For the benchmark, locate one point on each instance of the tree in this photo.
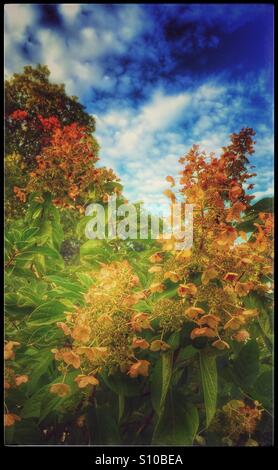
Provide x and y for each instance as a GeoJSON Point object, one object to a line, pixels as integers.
{"type": "Point", "coordinates": [31, 97]}
{"type": "Point", "coordinates": [40, 117]}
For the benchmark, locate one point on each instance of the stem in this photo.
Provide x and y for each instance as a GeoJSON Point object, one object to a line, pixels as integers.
{"type": "Point", "coordinates": [13, 256]}
{"type": "Point", "coordinates": [145, 423]}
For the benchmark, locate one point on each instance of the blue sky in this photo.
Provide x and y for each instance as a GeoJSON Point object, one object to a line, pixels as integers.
{"type": "Point", "coordinates": [158, 78]}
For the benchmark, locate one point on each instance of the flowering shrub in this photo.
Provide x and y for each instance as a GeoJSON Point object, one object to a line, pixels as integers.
{"type": "Point", "coordinates": [66, 167]}
{"type": "Point", "coordinates": [228, 265]}
{"type": "Point", "coordinates": [197, 308]}
{"type": "Point", "coordinates": [104, 330]}
{"type": "Point", "coordinates": [136, 344]}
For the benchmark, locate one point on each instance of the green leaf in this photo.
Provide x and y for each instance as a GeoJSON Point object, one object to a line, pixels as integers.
{"type": "Point", "coordinates": [47, 313]}
{"type": "Point", "coordinates": [27, 433]}
{"type": "Point", "coordinates": [36, 212]}
{"type": "Point", "coordinates": [45, 233]}
{"type": "Point", "coordinates": [41, 363]}
{"type": "Point", "coordinates": [102, 426]}
{"type": "Point", "coordinates": [168, 294]}
{"type": "Point", "coordinates": [247, 223]}
{"type": "Point", "coordinates": [65, 284]}
{"type": "Point", "coordinates": [32, 406]}
{"type": "Point", "coordinates": [264, 205]}
{"type": "Point", "coordinates": [43, 402]}
{"type": "Point", "coordinates": [80, 228]}
{"type": "Point", "coordinates": [85, 280]}
{"type": "Point", "coordinates": [209, 383]}
{"type": "Point", "coordinates": [160, 381]}
{"type": "Point", "coordinates": [265, 317]}
{"type": "Point", "coordinates": [57, 235]}
{"type": "Point", "coordinates": [186, 353]}
{"type": "Point", "coordinates": [121, 406]}
{"type": "Point", "coordinates": [112, 185]}
{"type": "Point", "coordinates": [26, 298]}
{"type": "Point", "coordinates": [246, 365]}
{"type": "Point", "coordinates": [53, 402]}
{"type": "Point", "coordinates": [91, 247]}
{"type": "Point", "coordinates": [9, 434]}
{"type": "Point", "coordinates": [178, 424]}
{"type": "Point", "coordinates": [263, 389]}
{"type": "Point", "coordinates": [121, 384]}
{"type": "Point", "coordinates": [174, 340]}
{"type": "Point", "coordinates": [39, 261]}
{"type": "Point", "coordinates": [29, 233]}
{"type": "Point", "coordinates": [44, 250]}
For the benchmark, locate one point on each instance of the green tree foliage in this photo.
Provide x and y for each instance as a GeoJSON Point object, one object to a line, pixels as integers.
{"type": "Point", "coordinates": [33, 93]}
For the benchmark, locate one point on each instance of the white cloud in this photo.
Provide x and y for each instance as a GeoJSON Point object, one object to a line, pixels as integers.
{"type": "Point", "coordinates": [75, 57]}
{"type": "Point", "coordinates": [138, 130]}
{"type": "Point", "coordinates": [70, 11]}
{"type": "Point", "coordinates": [17, 18]}
{"type": "Point", "coordinates": [144, 145]}
{"type": "Point", "coordinates": [268, 192]}
{"type": "Point", "coordinates": [161, 112]}
{"type": "Point", "coordinates": [148, 141]}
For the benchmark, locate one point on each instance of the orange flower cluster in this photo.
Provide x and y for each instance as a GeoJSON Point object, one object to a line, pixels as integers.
{"type": "Point", "coordinates": [19, 115]}
{"type": "Point", "coordinates": [223, 266]}
{"type": "Point", "coordinates": [103, 333]}
{"type": "Point", "coordinates": [20, 194]}
{"type": "Point", "coordinates": [65, 166]}
{"type": "Point", "coordinates": [10, 419]}
{"type": "Point", "coordinates": [11, 380]}
{"type": "Point", "coordinates": [9, 349]}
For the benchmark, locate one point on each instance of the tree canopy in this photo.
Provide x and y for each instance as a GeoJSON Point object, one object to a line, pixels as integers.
{"type": "Point", "coordinates": [28, 97]}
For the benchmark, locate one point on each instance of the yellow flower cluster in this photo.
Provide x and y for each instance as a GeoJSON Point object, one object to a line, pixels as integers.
{"type": "Point", "coordinates": [105, 332]}
{"type": "Point", "coordinates": [237, 419]}
{"type": "Point", "coordinates": [170, 314]}
{"type": "Point", "coordinates": [226, 273]}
